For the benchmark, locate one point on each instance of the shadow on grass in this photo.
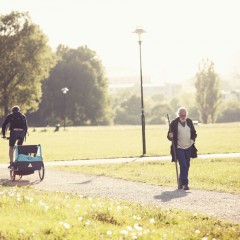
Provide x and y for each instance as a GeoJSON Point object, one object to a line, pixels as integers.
{"type": "Point", "coordinates": [92, 178]}
{"type": "Point", "coordinates": [169, 195]}
{"type": "Point", "coordinates": [18, 182]}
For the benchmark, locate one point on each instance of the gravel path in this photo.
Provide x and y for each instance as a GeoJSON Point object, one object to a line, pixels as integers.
{"type": "Point", "coordinates": [224, 206]}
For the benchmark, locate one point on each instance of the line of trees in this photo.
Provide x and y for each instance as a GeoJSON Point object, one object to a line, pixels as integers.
{"type": "Point", "coordinates": [87, 102]}
{"type": "Point", "coordinates": [156, 108]}
{"type": "Point", "coordinates": [32, 76]}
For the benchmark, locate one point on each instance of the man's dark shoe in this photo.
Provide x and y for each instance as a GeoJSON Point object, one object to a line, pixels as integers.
{"type": "Point", "coordinates": [185, 187]}
{"type": "Point", "coordinates": [180, 186]}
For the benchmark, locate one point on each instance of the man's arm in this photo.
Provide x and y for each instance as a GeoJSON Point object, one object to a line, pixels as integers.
{"type": "Point", "coordinates": [4, 125]}
{"type": "Point", "coordinates": [193, 130]}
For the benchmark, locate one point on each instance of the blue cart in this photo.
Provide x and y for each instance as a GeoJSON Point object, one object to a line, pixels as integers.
{"type": "Point", "coordinates": [28, 159]}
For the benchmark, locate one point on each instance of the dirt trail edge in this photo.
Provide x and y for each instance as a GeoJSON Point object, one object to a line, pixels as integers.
{"type": "Point", "coordinates": [224, 206]}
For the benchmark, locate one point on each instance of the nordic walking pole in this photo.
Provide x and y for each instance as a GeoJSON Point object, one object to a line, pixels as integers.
{"type": "Point", "coordinates": [174, 152]}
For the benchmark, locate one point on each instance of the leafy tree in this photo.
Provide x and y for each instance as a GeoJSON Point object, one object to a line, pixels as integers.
{"type": "Point", "coordinates": [208, 91]}
{"type": "Point", "coordinates": [230, 115]}
{"type": "Point", "coordinates": [193, 113]}
{"type": "Point", "coordinates": [157, 108]}
{"type": "Point", "coordinates": [87, 102]}
{"type": "Point", "coordinates": [230, 112]}
{"type": "Point", "coordinates": [159, 113]}
{"type": "Point", "coordinates": [129, 111]}
{"type": "Point", "coordinates": [25, 61]}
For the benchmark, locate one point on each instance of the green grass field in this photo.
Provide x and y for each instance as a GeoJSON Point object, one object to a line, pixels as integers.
{"type": "Point", "coordinates": [123, 141]}
{"type": "Point", "coordinates": [28, 214]}
{"type": "Point", "coordinates": [31, 214]}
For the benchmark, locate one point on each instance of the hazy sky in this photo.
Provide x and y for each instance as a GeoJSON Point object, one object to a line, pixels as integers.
{"type": "Point", "coordinates": [179, 33]}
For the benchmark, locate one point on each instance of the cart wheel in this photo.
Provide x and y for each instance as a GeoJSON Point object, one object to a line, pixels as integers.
{"type": "Point", "coordinates": [41, 173]}
{"type": "Point", "coordinates": [12, 175]}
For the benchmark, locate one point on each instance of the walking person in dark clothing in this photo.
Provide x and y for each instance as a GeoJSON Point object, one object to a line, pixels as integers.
{"type": "Point", "coordinates": [183, 135]}
{"type": "Point", "coordinates": [18, 128]}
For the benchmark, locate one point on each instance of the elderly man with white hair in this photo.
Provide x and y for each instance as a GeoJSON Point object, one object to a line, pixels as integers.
{"type": "Point", "coordinates": [182, 133]}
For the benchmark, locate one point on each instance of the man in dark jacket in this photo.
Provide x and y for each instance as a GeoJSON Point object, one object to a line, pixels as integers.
{"type": "Point", "coordinates": [182, 134]}
{"type": "Point", "coordinates": [18, 128]}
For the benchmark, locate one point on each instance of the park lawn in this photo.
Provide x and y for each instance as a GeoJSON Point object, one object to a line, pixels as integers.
{"type": "Point", "coordinates": [29, 214]}
{"type": "Point", "coordinates": [123, 141]}
{"type": "Point", "coordinates": [209, 174]}
{"type": "Point", "coordinates": [55, 215]}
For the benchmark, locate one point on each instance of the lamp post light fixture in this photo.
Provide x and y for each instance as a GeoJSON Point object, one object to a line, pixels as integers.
{"type": "Point", "coordinates": [140, 31]}
{"type": "Point", "coordinates": [64, 90]}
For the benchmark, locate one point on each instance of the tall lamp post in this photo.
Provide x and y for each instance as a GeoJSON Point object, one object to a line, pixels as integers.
{"type": "Point", "coordinates": [140, 31]}
{"type": "Point", "coordinates": [64, 90]}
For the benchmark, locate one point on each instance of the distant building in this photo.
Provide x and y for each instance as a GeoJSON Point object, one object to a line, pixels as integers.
{"type": "Point", "coordinates": [231, 95]}
{"type": "Point", "coordinates": [149, 88]}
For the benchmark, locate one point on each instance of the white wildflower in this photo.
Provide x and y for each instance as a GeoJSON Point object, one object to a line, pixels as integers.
{"type": "Point", "coordinates": [11, 194]}
{"type": "Point", "coordinates": [124, 232]}
{"type": "Point", "coordinates": [109, 233]}
{"type": "Point", "coordinates": [66, 225]}
{"type": "Point", "coordinates": [30, 199]}
{"type": "Point", "coordinates": [80, 218]}
{"type": "Point", "coordinates": [129, 228]}
{"type": "Point", "coordinates": [134, 237]}
{"type": "Point", "coordinates": [42, 203]}
{"type": "Point", "coordinates": [21, 231]}
{"type": "Point", "coordinates": [152, 220]}
{"type": "Point", "coordinates": [46, 207]}
{"type": "Point", "coordinates": [137, 227]}
{"type": "Point", "coordinates": [197, 231]}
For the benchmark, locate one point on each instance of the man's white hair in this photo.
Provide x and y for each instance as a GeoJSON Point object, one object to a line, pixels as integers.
{"type": "Point", "coordinates": [182, 109]}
